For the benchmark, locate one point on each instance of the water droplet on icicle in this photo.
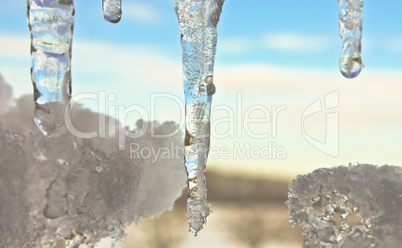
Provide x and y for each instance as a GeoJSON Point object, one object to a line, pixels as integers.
{"type": "Point", "coordinates": [51, 27]}
{"type": "Point", "coordinates": [112, 10]}
{"type": "Point", "coordinates": [350, 25]}
{"type": "Point", "coordinates": [198, 21]}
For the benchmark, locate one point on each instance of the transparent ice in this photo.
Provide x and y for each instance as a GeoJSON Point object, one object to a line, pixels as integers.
{"type": "Point", "coordinates": [372, 193]}
{"type": "Point", "coordinates": [51, 25]}
{"type": "Point", "coordinates": [198, 21]}
{"type": "Point", "coordinates": [112, 10]}
{"type": "Point", "coordinates": [350, 25]}
{"type": "Point", "coordinates": [99, 193]}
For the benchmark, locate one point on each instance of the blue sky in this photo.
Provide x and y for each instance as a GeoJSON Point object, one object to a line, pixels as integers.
{"type": "Point", "coordinates": [245, 28]}
{"type": "Point", "coordinates": [274, 52]}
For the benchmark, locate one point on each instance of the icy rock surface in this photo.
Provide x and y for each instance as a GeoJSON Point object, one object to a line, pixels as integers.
{"type": "Point", "coordinates": [198, 21]}
{"type": "Point", "coordinates": [372, 193]}
{"type": "Point", "coordinates": [350, 25]}
{"type": "Point", "coordinates": [96, 195]}
{"type": "Point", "coordinates": [112, 10]}
{"type": "Point", "coordinates": [51, 24]}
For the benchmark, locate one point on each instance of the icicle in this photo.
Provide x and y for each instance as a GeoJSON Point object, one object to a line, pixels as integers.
{"type": "Point", "coordinates": [111, 10]}
{"type": "Point", "coordinates": [198, 21]}
{"type": "Point", "coordinates": [350, 24]}
{"type": "Point", "coordinates": [51, 27]}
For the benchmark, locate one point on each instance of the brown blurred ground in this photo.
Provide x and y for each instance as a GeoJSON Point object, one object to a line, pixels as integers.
{"type": "Point", "coordinates": [247, 212]}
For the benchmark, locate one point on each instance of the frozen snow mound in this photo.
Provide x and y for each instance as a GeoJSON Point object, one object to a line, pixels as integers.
{"type": "Point", "coordinates": [372, 193]}
{"type": "Point", "coordinates": [94, 193]}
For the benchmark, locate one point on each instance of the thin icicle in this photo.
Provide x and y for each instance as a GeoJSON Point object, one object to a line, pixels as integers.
{"type": "Point", "coordinates": [112, 10]}
{"type": "Point", "coordinates": [198, 21]}
{"type": "Point", "coordinates": [51, 27]}
{"type": "Point", "coordinates": [350, 24]}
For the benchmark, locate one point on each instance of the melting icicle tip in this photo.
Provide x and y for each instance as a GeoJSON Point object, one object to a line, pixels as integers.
{"type": "Point", "coordinates": [112, 10]}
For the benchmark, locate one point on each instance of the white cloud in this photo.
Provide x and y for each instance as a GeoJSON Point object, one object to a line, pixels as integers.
{"type": "Point", "coordinates": [16, 46]}
{"type": "Point", "coordinates": [297, 43]}
{"type": "Point", "coordinates": [140, 12]}
{"type": "Point", "coordinates": [369, 105]}
{"type": "Point", "coordinates": [152, 70]}
{"type": "Point", "coordinates": [288, 42]}
{"type": "Point", "coordinates": [394, 44]}
{"type": "Point", "coordinates": [234, 45]}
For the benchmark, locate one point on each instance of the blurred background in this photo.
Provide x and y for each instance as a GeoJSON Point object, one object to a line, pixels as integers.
{"type": "Point", "coordinates": [271, 54]}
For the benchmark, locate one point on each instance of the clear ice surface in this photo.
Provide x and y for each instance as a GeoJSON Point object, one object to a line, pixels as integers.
{"type": "Point", "coordinates": [96, 195]}
{"type": "Point", "coordinates": [198, 26]}
{"type": "Point", "coordinates": [51, 25]}
{"type": "Point", "coordinates": [112, 10]}
{"type": "Point", "coordinates": [370, 193]}
{"type": "Point", "coordinates": [350, 27]}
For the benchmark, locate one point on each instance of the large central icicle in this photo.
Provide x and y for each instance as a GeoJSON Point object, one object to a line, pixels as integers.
{"type": "Point", "coordinates": [350, 25]}
{"type": "Point", "coordinates": [51, 26]}
{"type": "Point", "coordinates": [198, 21]}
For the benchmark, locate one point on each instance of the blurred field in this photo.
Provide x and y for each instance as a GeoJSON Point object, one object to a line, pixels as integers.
{"type": "Point", "coordinates": [248, 212]}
